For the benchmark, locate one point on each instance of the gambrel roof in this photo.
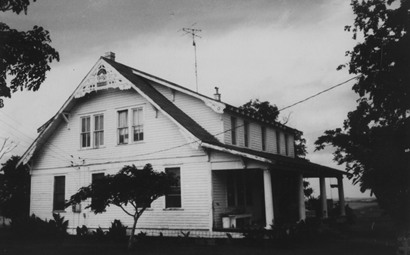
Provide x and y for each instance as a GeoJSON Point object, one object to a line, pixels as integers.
{"type": "Point", "coordinates": [125, 77]}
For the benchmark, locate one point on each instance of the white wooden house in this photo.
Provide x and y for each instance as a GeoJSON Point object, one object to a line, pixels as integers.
{"type": "Point", "coordinates": [234, 168]}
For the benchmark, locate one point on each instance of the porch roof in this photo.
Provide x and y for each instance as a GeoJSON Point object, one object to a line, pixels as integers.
{"type": "Point", "coordinates": [307, 168]}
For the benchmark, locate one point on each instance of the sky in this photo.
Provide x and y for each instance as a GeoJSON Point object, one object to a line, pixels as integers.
{"type": "Point", "coordinates": [280, 51]}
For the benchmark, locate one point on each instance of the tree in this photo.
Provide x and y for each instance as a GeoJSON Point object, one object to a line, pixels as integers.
{"type": "Point", "coordinates": [264, 109]}
{"type": "Point", "coordinates": [14, 189]}
{"type": "Point", "coordinates": [372, 141]}
{"type": "Point", "coordinates": [271, 112]}
{"type": "Point", "coordinates": [25, 56]}
{"type": "Point", "coordinates": [131, 189]}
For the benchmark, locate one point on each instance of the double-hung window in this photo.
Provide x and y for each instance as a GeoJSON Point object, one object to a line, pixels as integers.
{"type": "Point", "coordinates": [94, 178]}
{"type": "Point", "coordinates": [98, 130]}
{"type": "Point", "coordinates": [85, 132]}
{"type": "Point", "coordinates": [123, 127]}
{"type": "Point", "coordinates": [96, 137]}
{"type": "Point", "coordinates": [173, 199]}
{"type": "Point", "coordinates": [133, 124]}
{"type": "Point", "coordinates": [138, 124]}
{"type": "Point", "coordinates": [59, 193]}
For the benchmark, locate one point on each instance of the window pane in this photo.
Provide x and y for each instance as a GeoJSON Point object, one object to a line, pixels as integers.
{"type": "Point", "coordinates": [85, 140]}
{"type": "Point", "coordinates": [99, 122]}
{"type": "Point", "coordinates": [98, 138]}
{"type": "Point", "coordinates": [137, 117]}
{"type": "Point", "coordinates": [123, 118]}
{"type": "Point", "coordinates": [123, 135]}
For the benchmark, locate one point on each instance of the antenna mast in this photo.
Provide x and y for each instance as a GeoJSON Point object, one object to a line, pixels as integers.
{"type": "Point", "coordinates": [194, 33]}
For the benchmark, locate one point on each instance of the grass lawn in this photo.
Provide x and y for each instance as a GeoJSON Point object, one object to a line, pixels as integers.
{"type": "Point", "coordinates": [370, 235]}
{"type": "Point", "coordinates": [335, 247]}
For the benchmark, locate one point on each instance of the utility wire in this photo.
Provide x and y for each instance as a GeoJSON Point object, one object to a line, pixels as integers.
{"type": "Point", "coordinates": [197, 140]}
{"type": "Point", "coordinates": [60, 154]}
{"type": "Point", "coordinates": [317, 94]}
{"type": "Point", "coordinates": [228, 130]}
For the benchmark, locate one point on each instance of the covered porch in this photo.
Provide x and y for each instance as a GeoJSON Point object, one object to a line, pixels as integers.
{"type": "Point", "coordinates": [251, 192]}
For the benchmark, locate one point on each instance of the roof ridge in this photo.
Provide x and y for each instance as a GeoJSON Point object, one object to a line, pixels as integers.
{"type": "Point", "coordinates": [165, 104]}
{"type": "Point", "coordinates": [234, 109]}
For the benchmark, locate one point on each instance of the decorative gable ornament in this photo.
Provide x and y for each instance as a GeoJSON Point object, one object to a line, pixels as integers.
{"type": "Point", "coordinates": [103, 76]}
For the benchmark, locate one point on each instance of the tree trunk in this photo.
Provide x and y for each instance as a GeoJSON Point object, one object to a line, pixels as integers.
{"type": "Point", "coordinates": [131, 240]}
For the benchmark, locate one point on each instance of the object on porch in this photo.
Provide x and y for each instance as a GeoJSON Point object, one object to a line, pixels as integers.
{"type": "Point", "coordinates": [236, 220]}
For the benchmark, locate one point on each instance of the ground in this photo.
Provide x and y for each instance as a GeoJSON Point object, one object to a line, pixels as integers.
{"type": "Point", "coordinates": [371, 234]}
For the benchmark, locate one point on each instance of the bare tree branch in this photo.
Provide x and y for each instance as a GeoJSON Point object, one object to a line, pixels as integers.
{"type": "Point", "coordinates": [7, 146]}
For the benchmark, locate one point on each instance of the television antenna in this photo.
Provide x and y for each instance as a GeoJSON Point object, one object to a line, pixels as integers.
{"type": "Point", "coordinates": [194, 33]}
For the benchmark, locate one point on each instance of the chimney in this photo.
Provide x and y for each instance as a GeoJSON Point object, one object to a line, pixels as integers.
{"type": "Point", "coordinates": [217, 96]}
{"type": "Point", "coordinates": [110, 55]}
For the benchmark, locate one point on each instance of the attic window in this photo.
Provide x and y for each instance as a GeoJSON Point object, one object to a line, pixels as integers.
{"type": "Point", "coordinates": [101, 76]}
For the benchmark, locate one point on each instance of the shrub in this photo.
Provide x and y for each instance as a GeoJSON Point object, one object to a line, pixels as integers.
{"type": "Point", "coordinates": [99, 233]}
{"type": "Point", "coordinates": [83, 231]}
{"type": "Point", "coordinates": [117, 231]}
{"type": "Point", "coordinates": [34, 227]}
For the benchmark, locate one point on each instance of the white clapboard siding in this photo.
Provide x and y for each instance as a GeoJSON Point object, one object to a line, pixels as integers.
{"type": "Point", "coordinates": [160, 134]}
{"type": "Point", "coordinates": [194, 214]}
{"type": "Point", "coordinates": [196, 109]}
{"type": "Point", "coordinates": [62, 155]}
{"type": "Point", "coordinates": [255, 136]}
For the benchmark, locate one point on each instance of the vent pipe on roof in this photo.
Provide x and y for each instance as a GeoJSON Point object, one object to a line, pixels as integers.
{"type": "Point", "coordinates": [110, 55]}
{"type": "Point", "coordinates": [217, 96]}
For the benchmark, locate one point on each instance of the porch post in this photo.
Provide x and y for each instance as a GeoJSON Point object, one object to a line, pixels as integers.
{"type": "Point", "coordinates": [267, 185]}
{"type": "Point", "coordinates": [301, 199]}
{"type": "Point", "coordinates": [323, 198]}
{"type": "Point", "coordinates": [341, 196]}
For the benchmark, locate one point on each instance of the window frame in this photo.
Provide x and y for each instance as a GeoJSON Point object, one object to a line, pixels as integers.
{"type": "Point", "coordinates": [58, 204]}
{"type": "Point", "coordinates": [99, 131]}
{"type": "Point", "coordinates": [85, 133]}
{"type": "Point", "coordinates": [129, 129]}
{"type": "Point", "coordinates": [177, 194]}
{"type": "Point", "coordinates": [234, 122]}
{"type": "Point", "coordinates": [246, 133]}
{"type": "Point", "coordinates": [138, 108]}
{"type": "Point", "coordinates": [126, 128]}
{"type": "Point", "coordinates": [278, 140]}
{"type": "Point", "coordinates": [92, 131]}
{"type": "Point", "coordinates": [263, 138]}
{"type": "Point", "coordinates": [93, 179]}
{"type": "Point", "coordinates": [286, 144]}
